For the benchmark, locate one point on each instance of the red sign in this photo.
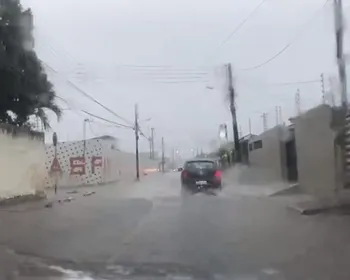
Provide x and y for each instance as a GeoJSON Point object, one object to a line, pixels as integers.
{"type": "Point", "coordinates": [55, 166]}
{"type": "Point", "coordinates": [95, 162]}
{"type": "Point", "coordinates": [77, 165]}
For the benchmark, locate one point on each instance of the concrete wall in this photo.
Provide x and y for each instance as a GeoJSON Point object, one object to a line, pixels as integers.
{"type": "Point", "coordinates": [101, 163]}
{"type": "Point", "coordinates": [22, 157]}
{"type": "Point", "coordinates": [318, 162]}
{"type": "Point", "coordinates": [270, 159]}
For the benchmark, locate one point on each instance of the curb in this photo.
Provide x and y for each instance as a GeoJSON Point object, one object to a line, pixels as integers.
{"type": "Point", "coordinates": [308, 211]}
{"type": "Point", "coordinates": [287, 190]}
{"type": "Point", "coordinates": [15, 200]}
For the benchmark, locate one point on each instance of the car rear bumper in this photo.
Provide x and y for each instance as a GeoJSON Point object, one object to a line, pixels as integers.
{"type": "Point", "coordinates": [194, 187]}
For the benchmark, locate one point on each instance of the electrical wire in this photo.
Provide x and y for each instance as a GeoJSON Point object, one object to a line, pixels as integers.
{"type": "Point", "coordinates": [159, 72]}
{"type": "Point", "coordinates": [74, 86]}
{"type": "Point", "coordinates": [106, 120]}
{"type": "Point", "coordinates": [239, 26]}
{"type": "Point", "coordinates": [296, 36]}
{"type": "Point", "coordinates": [98, 117]}
{"type": "Point", "coordinates": [93, 115]}
{"type": "Point", "coordinates": [295, 83]}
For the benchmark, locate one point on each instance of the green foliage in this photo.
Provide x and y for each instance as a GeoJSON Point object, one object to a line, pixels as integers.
{"type": "Point", "coordinates": [25, 90]}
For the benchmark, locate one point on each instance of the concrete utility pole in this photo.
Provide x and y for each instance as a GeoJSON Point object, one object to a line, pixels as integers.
{"type": "Point", "coordinates": [84, 135]}
{"type": "Point", "coordinates": [232, 95]}
{"type": "Point", "coordinates": [150, 147]}
{"type": "Point", "coordinates": [323, 90]}
{"type": "Point", "coordinates": [152, 142]}
{"type": "Point", "coordinates": [163, 156]}
{"type": "Point", "coordinates": [277, 116]}
{"type": "Point", "coordinates": [250, 126]}
{"type": "Point", "coordinates": [137, 142]}
{"type": "Point", "coordinates": [339, 39]}
{"type": "Point", "coordinates": [297, 103]}
{"type": "Point", "coordinates": [280, 114]}
{"type": "Point", "coordinates": [264, 117]}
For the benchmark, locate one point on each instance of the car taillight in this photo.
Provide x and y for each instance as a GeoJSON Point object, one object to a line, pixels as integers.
{"type": "Point", "coordinates": [217, 174]}
{"type": "Point", "coordinates": [184, 174]}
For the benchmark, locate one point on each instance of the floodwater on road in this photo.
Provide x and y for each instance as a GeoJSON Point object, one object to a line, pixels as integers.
{"type": "Point", "coordinates": [146, 230]}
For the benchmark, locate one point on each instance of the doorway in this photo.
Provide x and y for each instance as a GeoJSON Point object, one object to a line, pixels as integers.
{"type": "Point", "coordinates": [291, 161]}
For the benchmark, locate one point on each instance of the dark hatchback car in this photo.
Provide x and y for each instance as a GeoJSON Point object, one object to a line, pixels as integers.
{"type": "Point", "coordinates": [200, 174]}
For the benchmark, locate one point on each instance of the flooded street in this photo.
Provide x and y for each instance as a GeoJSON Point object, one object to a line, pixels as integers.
{"type": "Point", "coordinates": [146, 230]}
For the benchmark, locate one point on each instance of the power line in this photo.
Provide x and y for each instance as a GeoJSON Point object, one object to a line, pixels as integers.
{"type": "Point", "coordinates": [301, 30]}
{"type": "Point", "coordinates": [115, 124]}
{"type": "Point", "coordinates": [106, 120]}
{"type": "Point", "coordinates": [157, 71]}
{"type": "Point", "coordinates": [239, 26]}
{"type": "Point", "coordinates": [90, 97]}
{"type": "Point", "coordinates": [295, 83]}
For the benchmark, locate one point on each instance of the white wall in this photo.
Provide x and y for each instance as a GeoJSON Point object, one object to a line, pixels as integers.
{"type": "Point", "coordinates": [271, 157]}
{"type": "Point", "coordinates": [22, 169]}
{"type": "Point", "coordinates": [316, 152]}
{"type": "Point", "coordinates": [116, 165]}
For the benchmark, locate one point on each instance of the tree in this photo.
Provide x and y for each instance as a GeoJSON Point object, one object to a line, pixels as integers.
{"type": "Point", "coordinates": [25, 90]}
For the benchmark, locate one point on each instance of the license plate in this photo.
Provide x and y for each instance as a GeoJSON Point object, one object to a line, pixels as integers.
{"type": "Point", "coordinates": [201, 182]}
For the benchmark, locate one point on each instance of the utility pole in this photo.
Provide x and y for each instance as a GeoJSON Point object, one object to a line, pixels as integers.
{"type": "Point", "coordinates": [264, 117]}
{"type": "Point", "coordinates": [250, 126]}
{"type": "Point", "coordinates": [339, 38]}
{"type": "Point", "coordinates": [84, 135]}
{"type": "Point", "coordinates": [233, 113]}
{"type": "Point", "coordinates": [150, 147]}
{"type": "Point", "coordinates": [152, 142]}
{"type": "Point", "coordinates": [277, 116]}
{"type": "Point", "coordinates": [297, 103]}
{"type": "Point", "coordinates": [280, 114]}
{"type": "Point", "coordinates": [323, 91]}
{"type": "Point", "coordinates": [163, 157]}
{"type": "Point", "coordinates": [137, 142]}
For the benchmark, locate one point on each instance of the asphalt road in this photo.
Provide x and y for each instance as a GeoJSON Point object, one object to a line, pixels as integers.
{"type": "Point", "coordinates": [147, 230]}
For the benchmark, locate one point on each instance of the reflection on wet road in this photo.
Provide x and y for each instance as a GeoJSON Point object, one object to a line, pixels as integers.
{"type": "Point", "coordinates": [146, 230]}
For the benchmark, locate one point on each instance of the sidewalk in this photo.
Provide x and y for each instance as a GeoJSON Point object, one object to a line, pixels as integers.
{"type": "Point", "coordinates": [64, 195]}
{"type": "Point", "coordinates": [305, 204]}
{"type": "Point", "coordinates": [244, 180]}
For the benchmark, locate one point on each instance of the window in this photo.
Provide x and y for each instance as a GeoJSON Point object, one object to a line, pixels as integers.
{"type": "Point", "coordinates": [257, 144]}
{"type": "Point", "coordinates": [200, 165]}
{"type": "Point", "coordinates": [250, 147]}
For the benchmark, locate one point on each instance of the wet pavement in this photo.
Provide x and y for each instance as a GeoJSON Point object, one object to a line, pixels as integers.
{"type": "Point", "coordinates": [146, 230]}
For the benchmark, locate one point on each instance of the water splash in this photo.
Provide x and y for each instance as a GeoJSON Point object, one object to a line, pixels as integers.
{"type": "Point", "coordinates": [69, 274]}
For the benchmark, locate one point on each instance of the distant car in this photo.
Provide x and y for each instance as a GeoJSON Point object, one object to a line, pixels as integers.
{"type": "Point", "coordinates": [200, 175]}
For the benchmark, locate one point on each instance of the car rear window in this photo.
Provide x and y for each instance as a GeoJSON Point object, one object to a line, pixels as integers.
{"type": "Point", "coordinates": [200, 165]}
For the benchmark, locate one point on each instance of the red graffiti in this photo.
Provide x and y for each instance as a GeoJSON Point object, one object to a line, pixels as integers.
{"type": "Point", "coordinates": [95, 162]}
{"type": "Point", "coordinates": [77, 165]}
{"type": "Point", "coordinates": [55, 166]}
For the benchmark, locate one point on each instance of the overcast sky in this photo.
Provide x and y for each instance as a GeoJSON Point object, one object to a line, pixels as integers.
{"type": "Point", "coordinates": [110, 49]}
